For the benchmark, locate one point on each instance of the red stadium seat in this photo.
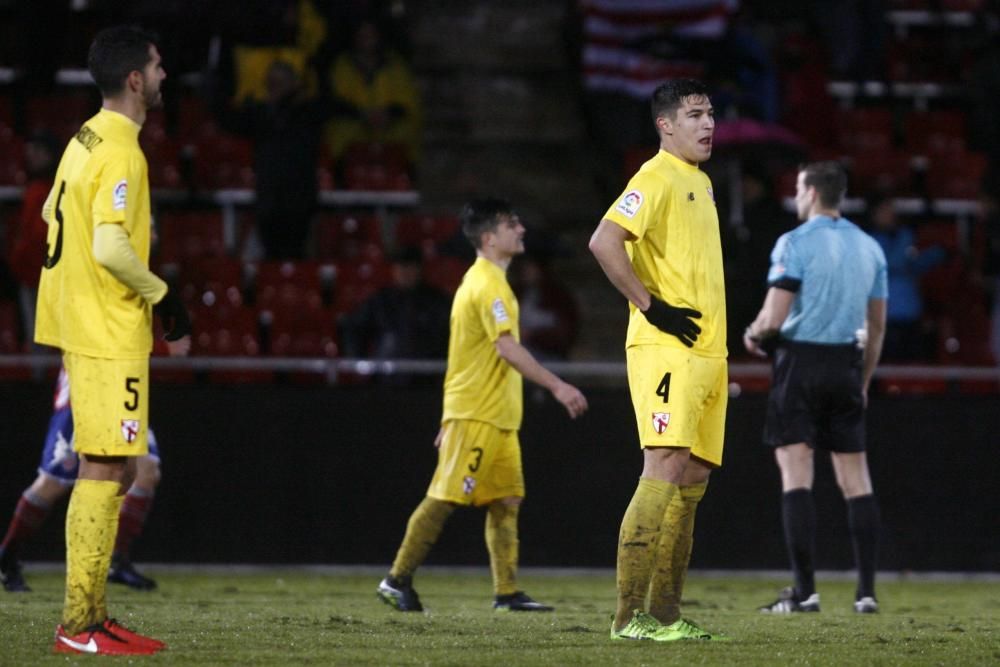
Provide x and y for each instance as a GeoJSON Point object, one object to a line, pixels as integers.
{"type": "Point", "coordinates": [375, 166]}
{"type": "Point", "coordinates": [10, 324]}
{"type": "Point", "coordinates": [356, 281]}
{"type": "Point", "coordinates": [348, 237]}
{"type": "Point", "coordinates": [935, 132]}
{"type": "Point", "coordinates": [221, 277]}
{"type": "Point", "coordinates": [222, 330]}
{"type": "Point", "coordinates": [445, 272]}
{"type": "Point", "coordinates": [956, 176]}
{"type": "Point", "coordinates": [190, 235]}
{"type": "Point", "coordinates": [62, 114]}
{"type": "Point", "coordinates": [862, 131]}
{"type": "Point", "coordinates": [12, 163]}
{"type": "Point", "coordinates": [419, 230]}
{"type": "Point", "coordinates": [287, 285]}
{"type": "Point", "coordinates": [881, 171]}
{"type": "Point", "coordinates": [223, 161]}
{"type": "Point", "coordinates": [302, 332]}
{"type": "Point", "coordinates": [163, 155]}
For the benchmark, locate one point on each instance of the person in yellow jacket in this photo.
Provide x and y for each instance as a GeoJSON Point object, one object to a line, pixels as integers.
{"type": "Point", "coordinates": [375, 97]}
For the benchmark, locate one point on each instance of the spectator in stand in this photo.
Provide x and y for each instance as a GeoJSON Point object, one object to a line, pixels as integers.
{"type": "Point", "coordinates": [905, 338]}
{"type": "Point", "coordinates": [375, 97]}
{"type": "Point", "coordinates": [550, 318]}
{"type": "Point", "coordinates": [28, 231]}
{"type": "Point", "coordinates": [406, 320]}
{"type": "Point", "coordinates": [286, 129]}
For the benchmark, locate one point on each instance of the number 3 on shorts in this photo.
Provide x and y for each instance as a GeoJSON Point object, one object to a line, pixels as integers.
{"type": "Point", "coordinates": [664, 389]}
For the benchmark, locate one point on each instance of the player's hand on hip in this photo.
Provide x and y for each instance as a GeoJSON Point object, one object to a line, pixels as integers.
{"type": "Point", "coordinates": [439, 438]}
{"type": "Point", "coordinates": [174, 316]}
{"type": "Point", "coordinates": [179, 347]}
{"type": "Point", "coordinates": [673, 320]}
{"type": "Point", "coordinates": [571, 398]}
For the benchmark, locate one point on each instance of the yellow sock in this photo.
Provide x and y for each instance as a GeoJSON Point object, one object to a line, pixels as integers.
{"type": "Point", "coordinates": [91, 526]}
{"type": "Point", "coordinates": [673, 553]}
{"type": "Point", "coordinates": [422, 532]}
{"type": "Point", "coordinates": [502, 542]}
{"type": "Point", "coordinates": [636, 543]}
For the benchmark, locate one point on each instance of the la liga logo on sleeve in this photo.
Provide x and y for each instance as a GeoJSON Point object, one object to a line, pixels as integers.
{"type": "Point", "coordinates": [499, 311]}
{"type": "Point", "coordinates": [630, 203]}
{"type": "Point", "coordinates": [119, 195]}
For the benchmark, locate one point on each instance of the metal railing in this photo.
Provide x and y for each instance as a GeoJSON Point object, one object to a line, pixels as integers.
{"type": "Point", "coordinates": [607, 370]}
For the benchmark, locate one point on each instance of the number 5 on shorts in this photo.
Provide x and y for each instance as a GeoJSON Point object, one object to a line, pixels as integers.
{"type": "Point", "coordinates": [131, 389]}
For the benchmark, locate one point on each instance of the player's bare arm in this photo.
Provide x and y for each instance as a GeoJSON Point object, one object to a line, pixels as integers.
{"type": "Point", "coordinates": [608, 246]}
{"type": "Point", "coordinates": [518, 356]}
{"type": "Point", "coordinates": [876, 318]}
{"type": "Point", "coordinates": [777, 305]}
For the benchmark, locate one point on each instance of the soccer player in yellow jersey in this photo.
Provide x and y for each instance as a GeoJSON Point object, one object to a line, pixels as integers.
{"type": "Point", "coordinates": [479, 456]}
{"type": "Point", "coordinates": [659, 246]}
{"type": "Point", "coordinates": [95, 301]}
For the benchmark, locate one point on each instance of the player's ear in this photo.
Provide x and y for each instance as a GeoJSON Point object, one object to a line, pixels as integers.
{"type": "Point", "coordinates": [664, 124]}
{"type": "Point", "coordinates": [134, 81]}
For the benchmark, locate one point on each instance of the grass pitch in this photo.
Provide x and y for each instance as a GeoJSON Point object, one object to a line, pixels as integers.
{"type": "Point", "coordinates": [332, 617]}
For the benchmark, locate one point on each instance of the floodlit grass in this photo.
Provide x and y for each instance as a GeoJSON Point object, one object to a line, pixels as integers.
{"type": "Point", "coordinates": [289, 617]}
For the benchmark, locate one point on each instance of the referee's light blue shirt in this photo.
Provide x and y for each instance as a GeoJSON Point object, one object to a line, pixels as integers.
{"type": "Point", "coordinates": [834, 268]}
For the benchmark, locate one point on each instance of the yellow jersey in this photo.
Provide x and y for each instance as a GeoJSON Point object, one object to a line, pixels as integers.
{"type": "Point", "coordinates": [82, 308]}
{"type": "Point", "coordinates": [669, 207]}
{"type": "Point", "coordinates": [479, 385]}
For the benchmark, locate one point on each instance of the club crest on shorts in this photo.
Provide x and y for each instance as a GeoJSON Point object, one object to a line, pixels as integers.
{"type": "Point", "coordinates": [468, 485]}
{"type": "Point", "coordinates": [130, 430]}
{"type": "Point", "coordinates": [660, 421]}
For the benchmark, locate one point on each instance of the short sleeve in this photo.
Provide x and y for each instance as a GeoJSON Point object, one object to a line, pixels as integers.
{"type": "Point", "coordinates": [495, 311]}
{"type": "Point", "coordinates": [116, 181]}
{"type": "Point", "coordinates": [786, 266]}
{"type": "Point", "coordinates": [880, 286]}
{"type": "Point", "coordinates": [642, 203]}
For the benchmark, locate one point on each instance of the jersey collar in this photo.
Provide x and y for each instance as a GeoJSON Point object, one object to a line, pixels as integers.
{"type": "Point", "coordinates": [679, 163]}
{"type": "Point", "coordinates": [121, 121]}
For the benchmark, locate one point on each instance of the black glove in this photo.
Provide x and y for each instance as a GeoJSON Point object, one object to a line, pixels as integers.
{"type": "Point", "coordinates": [174, 317]}
{"type": "Point", "coordinates": [673, 320]}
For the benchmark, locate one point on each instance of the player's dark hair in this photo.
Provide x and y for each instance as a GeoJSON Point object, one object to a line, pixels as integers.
{"type": "Point", "coordinates": [829, 179]}
{"type": "Point", "coordinates": [669, 96]}
{"type": "Point", "coordinates": [115, 53]}
{"type": "Point", "coordinates": [482, 215]}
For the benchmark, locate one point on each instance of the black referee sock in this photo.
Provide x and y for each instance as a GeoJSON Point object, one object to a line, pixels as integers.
{"type": "Point", "coordinates": [863, 520]}
{"type": "Point", "coordinates": [798, 513]}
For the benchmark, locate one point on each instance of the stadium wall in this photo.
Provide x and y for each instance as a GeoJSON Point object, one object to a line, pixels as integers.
{"type": "Point", "coordinates": [259, 473]}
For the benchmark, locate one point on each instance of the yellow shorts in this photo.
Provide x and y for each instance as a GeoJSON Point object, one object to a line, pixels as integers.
{"type": "Point", "coordinates": [477, 464]}
{"type": "Point", "coordinates": [679, 399]}
{"type": "Point", "coordinates": [110, 399]}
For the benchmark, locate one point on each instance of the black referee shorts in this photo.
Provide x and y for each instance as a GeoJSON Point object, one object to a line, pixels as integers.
{"type": "Point", "coordinates": [816, 397]}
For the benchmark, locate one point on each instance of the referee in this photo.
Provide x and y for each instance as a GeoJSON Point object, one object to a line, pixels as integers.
{"type": "Point", "coordinates": [827, 278]}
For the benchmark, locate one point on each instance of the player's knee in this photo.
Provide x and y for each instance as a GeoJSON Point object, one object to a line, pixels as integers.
{"type": "Point", "coordinates": [47, 489]}
{"type": "Point", "coordinates": [148, 473]}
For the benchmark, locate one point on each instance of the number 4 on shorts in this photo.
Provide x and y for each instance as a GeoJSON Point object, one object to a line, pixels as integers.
{"type": "Point", "coordinates": [664, 389]}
